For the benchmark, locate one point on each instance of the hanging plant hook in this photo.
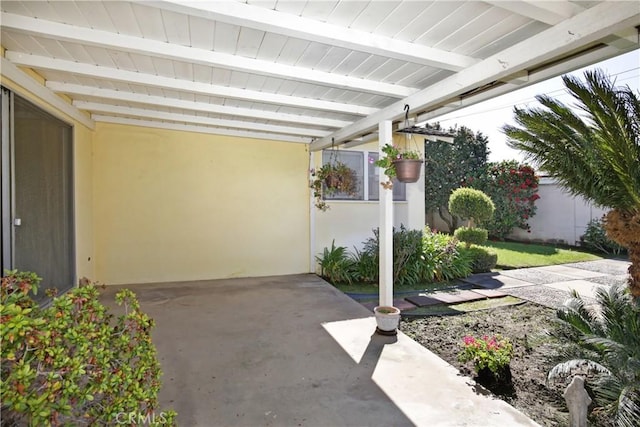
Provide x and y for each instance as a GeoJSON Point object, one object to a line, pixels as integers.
{"type": "Point", "coordinates": [333, 158]}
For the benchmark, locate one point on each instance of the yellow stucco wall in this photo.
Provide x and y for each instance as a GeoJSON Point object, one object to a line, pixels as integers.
{"type": "Point", "coordinates": [82, 142]}
{"type": "Point", "coordinates": [175, 206]}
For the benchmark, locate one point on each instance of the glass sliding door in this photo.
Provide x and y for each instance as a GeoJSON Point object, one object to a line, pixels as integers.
{"type": "Point", "coordinates": [40, 196]}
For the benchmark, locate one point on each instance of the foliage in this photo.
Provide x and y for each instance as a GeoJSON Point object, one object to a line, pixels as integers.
{"type": "Point", "coordinates": [71, 363]}
{"type": "Point", "coordinates": [477, 207]}
{"type": "Point", "coordinates": [483, 260]}
{"type": "Point", "coordinates": [595, 238]}
{"type": "Point", "coordinates": [366, 265]}
{"type": "Point", "coordinates": [493, 353]}
{"type": "Point", "coordinates": [472, 204]}
{"type": "Point", "coordinates": [471, 236]}
{"type": "Point", "coordinates": [443, 258]}
{"type": "Point", "coordinates": [333, 177]}
{"type": "Point", "coordinates": [609, 335]}
{"type": "Point", "coordinates": [336, 264]}
{"type": "Point", "coordinates": [448, 166]}
{"type": "Point", "coordinates": [417, 258]}
{"type": "Point", "coordinates": [513, 188]}
{"type": "Point", "coordinates": [407, 254]}
{"type": "Point", "coordinates": [391, 153]}
{"type": "Point", "coordinates": [592, 152]}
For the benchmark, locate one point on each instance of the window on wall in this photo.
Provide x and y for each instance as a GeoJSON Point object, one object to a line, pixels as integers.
{"type": "Point", "coordinates": [354, 160]}
{"type": "Point", "coordinates": [368, 188]}
{"type": "Point", "coordinates": [399, 188]}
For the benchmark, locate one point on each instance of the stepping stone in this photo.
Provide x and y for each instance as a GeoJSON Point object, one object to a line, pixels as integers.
{"type": "Point", "coordinates": [403, 305]}
{"type": "Point", "coordinates": [490, 293]}
{"type": "Point", "coordinates": [471, 295]}
{"type": "Point", "coordinates": [422, 300]}
{"type": "Point", "coordinates": [501, 281]}
{"type": "Point", "coordinates": [478, 278]}
{"type": "Point", "coordinates": [457, 297]}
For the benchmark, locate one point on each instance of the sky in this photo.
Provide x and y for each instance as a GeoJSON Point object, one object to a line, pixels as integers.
{"type": "Point", "coordinates": [488, 117]}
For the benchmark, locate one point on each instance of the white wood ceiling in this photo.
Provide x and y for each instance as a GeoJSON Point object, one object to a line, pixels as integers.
{"type": "Point", "coordinates": [300, 71]}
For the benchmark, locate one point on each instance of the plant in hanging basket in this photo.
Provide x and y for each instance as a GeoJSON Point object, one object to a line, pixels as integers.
{"type": "Point", "coordinates": [331, 178]}
{"type": "Point", "coordinates": [403, 164]}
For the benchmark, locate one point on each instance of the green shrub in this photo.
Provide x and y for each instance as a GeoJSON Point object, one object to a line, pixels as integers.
{"type": "Point", "coordinates": [71, 363]}
{"type": "Point", "coordinates": [417, 258]}
{"type": "Point", "coordinates": [336, 264]}
{"type": "Point", "coordinates": [608, 335]}
{"type": "Point", "coordinates": [595, 238]}
{"type": "Point", "coordinates": [493, 353]}
{"type": "Point", "coordinates": [513, 188]}
{"type": "Point", "coordinates": [472, 204]}
{"type": "Point", "coordinates": [407, 252]}
{"type": "Point", "coordinates": [482, 259]}
{"type": "Point", "coordinates": [366, 264]}
{"type": "Point", "coordinates": [472, 235]}
{"type": "Point", "coordinates": [442, 258]}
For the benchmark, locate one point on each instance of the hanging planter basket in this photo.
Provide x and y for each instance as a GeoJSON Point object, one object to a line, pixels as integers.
{"type": "Point", "coordinates": [333, 177]}
{"type": "Point", "coordinates": [407, 170]}
{"type": "Point", "coordinates": [333, 181]}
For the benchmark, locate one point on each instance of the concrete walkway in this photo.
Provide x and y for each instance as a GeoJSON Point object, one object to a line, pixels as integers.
{"type": "Point", "coordinates": [294, 351]}
{"type": "Point", "coordinates": [551, 285]}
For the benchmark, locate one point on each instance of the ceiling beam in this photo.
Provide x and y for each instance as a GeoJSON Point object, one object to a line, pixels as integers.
{"type": "Point", "coordinates": [161, 101]}
{"type": "Point", "coordinates": [108, 40]}
{"type": "Point", "coordinates": [100, 72]}
{"type": "Point", "coordinates": [568, 36]}
{"type": "Point", "coordinates": [13, 73]}
{"type": "Point", "coordinates": [596, 55]}
{"type": "Point", "coordinates": [95, 107]}
{"type": "Point", "coordinates": [549, 12]}
{"type": "Point", "coordinates": [200, 129]}
{"type": "Point", "coordinates": [307, 29]}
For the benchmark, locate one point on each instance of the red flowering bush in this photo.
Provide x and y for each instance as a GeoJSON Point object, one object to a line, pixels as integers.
{"type": "Point", "coordinates": [513, 187]}
{"type": "Point", "coordinates": [492, 353]}
{"type": "Point", "coordinates": [73, 363]}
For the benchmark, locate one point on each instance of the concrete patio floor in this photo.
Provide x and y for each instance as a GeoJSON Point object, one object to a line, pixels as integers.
{"type": "Point", "coordinates": [294, 351]}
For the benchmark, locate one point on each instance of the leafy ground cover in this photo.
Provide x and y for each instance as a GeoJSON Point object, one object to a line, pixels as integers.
{"type": "Point", "coordinates": [522, 255]}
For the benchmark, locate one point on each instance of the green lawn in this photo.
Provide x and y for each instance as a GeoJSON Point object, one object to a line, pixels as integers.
{"type": "Point", "coordinates": [520, 255]}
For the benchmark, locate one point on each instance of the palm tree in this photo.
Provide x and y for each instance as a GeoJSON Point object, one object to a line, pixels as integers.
{"type": "Point", "coordinates": [593, 152]}
{"type": "Point", "coordinates": [609, 336]}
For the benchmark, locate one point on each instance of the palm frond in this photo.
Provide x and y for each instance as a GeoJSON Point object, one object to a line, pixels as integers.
{"type": "Point", "coordinates": [609, 335]}
{"type": "Point", "coordinates": [577, 316]}
{"type": "Point", "coordinates": [564, 369]}
{"type": "Point", "coordinates": [594, 154]}
{"type": "Point", "coordinates": [629, 406]}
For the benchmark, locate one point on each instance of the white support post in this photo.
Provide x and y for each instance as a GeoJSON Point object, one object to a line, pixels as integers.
{"type": "Point", "coordinates": [312, 218]}
{"type": "Point", "coordinates": [386, 223]}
